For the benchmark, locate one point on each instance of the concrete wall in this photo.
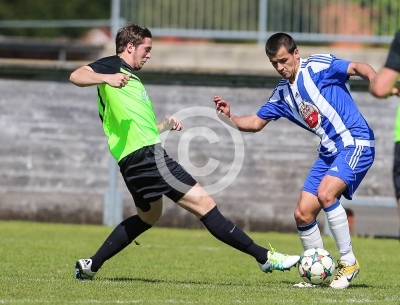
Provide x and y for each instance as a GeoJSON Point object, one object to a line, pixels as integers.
{"type": "Point", "coordinates": [54, 158]}
{"type": "Point", "coordinates": [239, 57]}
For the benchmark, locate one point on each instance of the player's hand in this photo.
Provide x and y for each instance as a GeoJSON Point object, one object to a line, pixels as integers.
{"type": "Point", "coordinates": [222, 106]}
{"type": "Point", "coordinates": [117, 80]}
{"type": "Point", "coordinates": [171, 123]}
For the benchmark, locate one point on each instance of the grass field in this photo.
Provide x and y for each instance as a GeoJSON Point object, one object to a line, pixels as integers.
{"type": "Point", "coordinates": [175, 266]}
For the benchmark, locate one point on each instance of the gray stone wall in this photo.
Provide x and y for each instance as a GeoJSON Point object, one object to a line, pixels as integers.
{"type": "Point", "coordinates": [54, 159]}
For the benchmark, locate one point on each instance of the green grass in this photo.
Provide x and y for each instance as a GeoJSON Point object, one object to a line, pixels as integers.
{"type": "Point", "coordinates": [175, 266]}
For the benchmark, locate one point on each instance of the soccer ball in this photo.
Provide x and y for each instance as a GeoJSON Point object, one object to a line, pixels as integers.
{"type": "Point", "coordinates": [316, 266]}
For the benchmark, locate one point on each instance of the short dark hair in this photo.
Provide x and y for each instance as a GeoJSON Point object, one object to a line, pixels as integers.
{"type": "Point", "coordinates": [278, 40]}
{"type": "Point", "coordinates": [130, 33]}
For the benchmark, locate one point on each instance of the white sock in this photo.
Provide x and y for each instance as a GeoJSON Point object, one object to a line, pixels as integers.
{"type": "Point", "coordinates": [337, 221]}
{"type": "Point", "coordinates": [310, 236]}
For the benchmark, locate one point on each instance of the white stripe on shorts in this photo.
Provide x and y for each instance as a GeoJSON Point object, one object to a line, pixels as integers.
{"type": "Point", "coordinates": [356, 156]}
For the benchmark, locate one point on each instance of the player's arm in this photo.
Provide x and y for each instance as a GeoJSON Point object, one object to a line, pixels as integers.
{"type": "Point", "coordinates": [85, 76]}
{"type": "Point", "coordinates": [251, 123]}
{"type": "Point", "coordinates": [363, 70]}
{"type": "Point", "coordinates": [384, 83]}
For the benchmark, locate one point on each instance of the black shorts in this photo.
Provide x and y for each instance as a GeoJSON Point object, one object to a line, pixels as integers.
{"type": "Point", "coordinates": [396, 169]}
{"type": "Point", "coordinates": [150, 173]}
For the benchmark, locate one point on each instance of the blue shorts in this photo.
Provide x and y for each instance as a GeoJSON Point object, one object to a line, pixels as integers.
{"type": "Point", "coordinates": [351, 165]}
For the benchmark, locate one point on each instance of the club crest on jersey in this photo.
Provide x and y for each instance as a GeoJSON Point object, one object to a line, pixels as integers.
{"type": "Point", "coordinates": [145, 97]}
{"type": "Point", "coordinates": [310, 114]}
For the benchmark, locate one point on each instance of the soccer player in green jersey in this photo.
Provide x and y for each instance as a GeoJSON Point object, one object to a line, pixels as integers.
{"type": "Point", "coordinates": [130, 124]}
{"type": "Point", "coordinates": [384, 85]}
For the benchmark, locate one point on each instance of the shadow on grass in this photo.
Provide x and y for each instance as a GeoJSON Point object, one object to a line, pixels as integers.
{"type": "Point", "coordinates": [145, 280]}
{"type": "Point", "coordinates": [352, 286]}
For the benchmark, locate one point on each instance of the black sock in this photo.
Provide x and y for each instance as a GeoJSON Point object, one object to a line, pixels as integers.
{"type": "Point", "coordinates": [121, 237]}
{"type": "Point", "coordinates": [230, 234]}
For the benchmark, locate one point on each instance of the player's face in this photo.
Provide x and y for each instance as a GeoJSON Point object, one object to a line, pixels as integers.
{"type": "Point", "coordinates": [141, 54]}
{"type": "Point", "coordinates": [286, 64]}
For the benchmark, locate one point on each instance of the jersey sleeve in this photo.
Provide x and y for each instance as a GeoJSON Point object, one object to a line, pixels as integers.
{"type": "Point", "coordinates": [337, 72]}
{"type": "Point", "coordinates": [271, 110]}
{"type": "Point", "coordinates": [107, 65]}
{"type": "Point", "coordinates": [393, 59]}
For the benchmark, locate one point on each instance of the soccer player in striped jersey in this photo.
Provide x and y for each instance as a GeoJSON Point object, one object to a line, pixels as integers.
{"type": "Point", "coordinates": [313, 95]}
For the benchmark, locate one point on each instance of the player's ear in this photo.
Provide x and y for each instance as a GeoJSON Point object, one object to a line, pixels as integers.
{"type": "Point", "coordinates": [296, 53]}
{"type": "Point", "coordinates": [130, 48]}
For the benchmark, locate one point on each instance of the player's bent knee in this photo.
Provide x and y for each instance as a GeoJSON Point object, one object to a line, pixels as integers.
{"type": "Point", "coordinates": [298, 216]}
{"type": "Point", "coordinates": [303, 218]}
{"type": "Point", "coordinates": [153, 215]}
{"type": "Point", "coordinates": [325, 199]}
{"type": "Point", "coordinates": [149, 218]}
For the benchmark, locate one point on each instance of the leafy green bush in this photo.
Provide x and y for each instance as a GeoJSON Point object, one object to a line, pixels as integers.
{"type": "Point", "coordinates": [52, 10]}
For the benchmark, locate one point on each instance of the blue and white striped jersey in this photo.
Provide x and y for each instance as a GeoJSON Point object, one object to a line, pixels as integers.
{"type": "Point", "coordinates": [319, 101]}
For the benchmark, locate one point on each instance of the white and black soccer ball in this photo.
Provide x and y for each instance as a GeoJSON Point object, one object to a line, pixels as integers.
{"type": "Point", "coordinates": [316, 266]}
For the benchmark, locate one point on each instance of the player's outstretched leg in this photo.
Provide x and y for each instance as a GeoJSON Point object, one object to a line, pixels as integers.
{"type": "Point", "coordinates": [345, 275]}
{"type": "Point", "coordinates": [278, 261]}
{"type": "Point", "coordinates": [230, 234]}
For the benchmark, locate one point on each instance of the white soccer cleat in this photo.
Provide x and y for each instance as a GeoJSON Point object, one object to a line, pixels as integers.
{"type": "Point", "coordinates": [84, 271]}
{"type": "Point", "coordinates": [345, 275]}
{"type": "Point", "coordinates": [278, 261]}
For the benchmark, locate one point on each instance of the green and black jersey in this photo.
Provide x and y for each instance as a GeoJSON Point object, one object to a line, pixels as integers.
{"type": "Point", "coordinates": [393, 62]}
{"type": "Point", "coordinates": [127, 113]}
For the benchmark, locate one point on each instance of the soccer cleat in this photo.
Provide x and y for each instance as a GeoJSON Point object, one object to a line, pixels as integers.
{"type": "Point", "coordinates": [345, 275]}
{"type": "Point", "coordinates": [84, 271]}
{"type": "Point", "coordinates": [278, 261]}
{"type": "Point", "coordinates": [304, 285]}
